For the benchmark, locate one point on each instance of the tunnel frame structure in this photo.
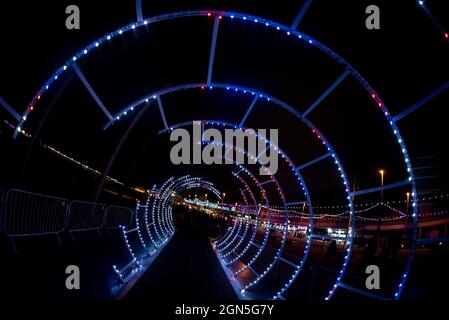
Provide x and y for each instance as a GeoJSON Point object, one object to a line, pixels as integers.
{"type": "Point", "coordinates": [292, 32]}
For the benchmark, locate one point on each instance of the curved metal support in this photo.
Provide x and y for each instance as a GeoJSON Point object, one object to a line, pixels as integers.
{"type": "Point", "coordinates": [147, 223]}
{"type": "Point", "coordinates": [156, 222]}
{"type": "Point", "coordinates": [296, 35]}
{"type": "Point", "coordinates": [248, 224]}
{"type": "Point", "coordinates": [303, 186]}
{"type": "Point", "coordinates": [162, 214]}
{"type": "Point", "coordinates": [139, 226]}
{"type": "Point", "coordinates": [177, 186]}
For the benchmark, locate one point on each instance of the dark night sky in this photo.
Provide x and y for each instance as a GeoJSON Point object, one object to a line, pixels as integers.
{"type": "Point", "coordinates": [404, 61]}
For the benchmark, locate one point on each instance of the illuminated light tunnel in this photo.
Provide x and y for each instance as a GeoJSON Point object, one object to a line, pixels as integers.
{"type": "Point", "coordinates": [92, 155]}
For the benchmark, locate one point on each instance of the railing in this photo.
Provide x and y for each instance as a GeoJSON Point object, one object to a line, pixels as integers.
{"type": "Point", "coordinates": [27, 213]}
{"type": "Point", "coordinates": [85, 216]}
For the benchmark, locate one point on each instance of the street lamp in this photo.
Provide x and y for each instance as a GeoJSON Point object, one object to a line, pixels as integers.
{"type": "Point", "coordinates": [408, 200]}
{"type": "Point", "coordinates": [381, 171]}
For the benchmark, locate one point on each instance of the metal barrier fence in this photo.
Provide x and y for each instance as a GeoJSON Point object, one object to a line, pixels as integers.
{"type": "Point", "coordinates": [84, 216]}
{"type": "Point", "coordinates": [27, 213]}
{"type": "Point", "coordinates": [118, 216]}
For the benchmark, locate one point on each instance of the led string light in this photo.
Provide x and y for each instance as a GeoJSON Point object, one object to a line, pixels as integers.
{"type": "Point", "coordinates": [149, 250]}
{"type": "Point", "coordinates": [402, 216]}
{"type": "Point", "coordinates": [248, 224]}
{"type": "Point", "coordinates": [247, 219]}
{"type": "Point", "coordinates": [221, 237]}
{"type": "Point", "coordinates": [304, 189]}
{"type": "Point", "coordinates": [167, 192]}
{"type": "Point", "coordinates": [256, 222]}
{"type": "Point", "coordinates": [337, 162]}
{"type": "Point", "coordinates": [211, 187]}
{"type": "Point", "coordinates": [202, 184]}
{"type": "Point", "coordinates": [156, 211]}
{"type": "Point", "coordinates": [284, 235]}
{"type": "Point", "coordinates": [432, 214]}
{"type": "Point", "coordinates": [168, 203]}
{"type": "Point", "coordinates": [350, 229]}
{"type": "Point", "coordinates": [222, 242]}
{"type": "Point", "coordinates": [147, 223]}
{"type": "Point", "coordinates": [288, 32]}
{"type": "Point", "coordinates": [169, 213]}
{"type": "Point", "coordinates": [218, 245]}
{"type": "Point", "coordinates": [369, 206]}
{"type": "Point", "coordinates": [302, 185]}
{"type": "Point", "coordinates": [399, 139]}
{"type": "Point", "coordinates": [323, 141]}
{"type": "Point", "coordinates": [392, 202]}
{"type": "Point", "coordinates": [177, 186]}
{"type": "Point", "coordinates": [279, 250]}
{"type": "Point", "coordinates": [70, 159]}
{"type": "Point", "coordinates": [221, 251]}
{"type": "Point", "coordinates": [428, 198]}
{"type": "Point", "coordinates": [156, 220]}
{"type": "Point", "coordinates": [238, 220]}
{"type": "Point", "coordinates": [160, 212]}
{"type": "Point", "coordinates": [261, 247]}
{"type": "Point", "coordinates": [118, 273]}
{"type": "Point", "coordinates": [263, 192]}
{"type": "Point", "coordinates": [285, 231]}
{"type": "Point", "coordinates": [182, 186]}
{"type": "Point", "coordinates": [153, 212]}
{"type": "Point", "coordinates": [221, 123]}
{"type": "Point", "coordinates": [142, 242]}
{"type": "Point", "coordinates": [134, 261]}
{"type": "Point", "coordinates": [437, 24]}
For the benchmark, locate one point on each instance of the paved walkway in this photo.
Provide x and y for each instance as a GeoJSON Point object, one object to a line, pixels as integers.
{"type": "Point", "coordinates": [187, 268]}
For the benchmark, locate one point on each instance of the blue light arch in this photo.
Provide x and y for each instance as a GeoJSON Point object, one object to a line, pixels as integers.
{"type": "Point", "coordinates": [288, 31]}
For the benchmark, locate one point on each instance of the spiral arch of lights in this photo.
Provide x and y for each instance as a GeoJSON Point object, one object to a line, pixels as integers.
{"type": "Point", "coordinates": [349, 70]}
{"type": "Point", "coordinates": [302, 186]}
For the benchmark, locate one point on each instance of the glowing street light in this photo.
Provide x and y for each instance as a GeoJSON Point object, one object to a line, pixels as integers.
{"type": "Point", "coordinates": [408, 200]}
{"type": "Point", "coordinates": [381, 171]}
